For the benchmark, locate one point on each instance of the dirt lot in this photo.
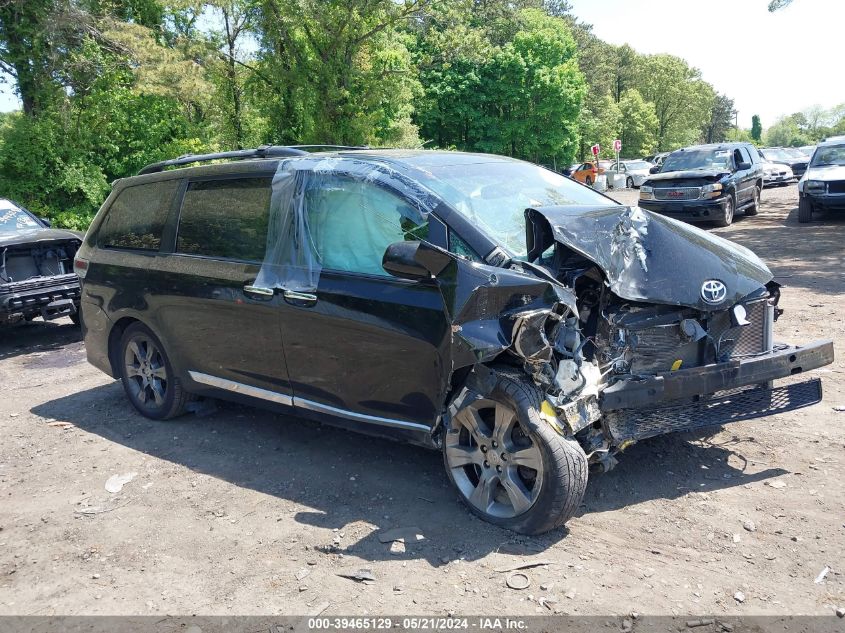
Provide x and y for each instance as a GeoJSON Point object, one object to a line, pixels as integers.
{"type": "Point", "coordinates": [244, 512]}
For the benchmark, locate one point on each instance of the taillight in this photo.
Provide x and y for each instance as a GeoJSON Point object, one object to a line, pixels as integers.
{"type": "Point", "coordinates": [80, 267]}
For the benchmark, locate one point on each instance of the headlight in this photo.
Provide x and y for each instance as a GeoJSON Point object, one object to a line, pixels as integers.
{"type": "Point", "coordinates": [646, 193]}
{"type": "Point", "coordinates": [815, 186]}
{"type": "Point", "coordinates": [711, 191]}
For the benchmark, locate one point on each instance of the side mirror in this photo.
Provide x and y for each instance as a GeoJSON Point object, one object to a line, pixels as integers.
{"type": "Point", "coordinates": [46, 222]}
{"type": "Point", "coordinates": [415, 260]}
{"type": "Point", "coordinates": [654, 170]}
{"type": "Point", "coordinates": [743, 166]}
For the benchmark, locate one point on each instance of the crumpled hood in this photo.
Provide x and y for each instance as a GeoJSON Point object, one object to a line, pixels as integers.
{"type": "Point", "coordinates": [34, 235]}
{"type": "Point", "coordinates": [649, 257]}
{"type": "Point", "coordinates": [704, 174]}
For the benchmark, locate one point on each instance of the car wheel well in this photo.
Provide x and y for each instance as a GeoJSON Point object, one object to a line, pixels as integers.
{"type": "Point", "coordinates": [114, 342]}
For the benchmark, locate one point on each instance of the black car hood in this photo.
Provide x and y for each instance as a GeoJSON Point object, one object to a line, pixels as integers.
{"type": "Point", "coordinates": [36, 235]}
{"type": "Point", "coordinates": [649, 257]}
{"type": "Point", "coordinates": [705, 174]}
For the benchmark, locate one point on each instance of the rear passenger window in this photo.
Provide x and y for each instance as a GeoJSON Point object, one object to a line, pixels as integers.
{"type": "Point", "coordinates": [225, 218]}
{"type": "Point", "coordinates": [136, 217]}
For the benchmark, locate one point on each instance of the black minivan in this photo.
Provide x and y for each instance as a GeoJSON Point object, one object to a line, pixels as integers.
{"type": "Point", "coordinates": [527, 326]}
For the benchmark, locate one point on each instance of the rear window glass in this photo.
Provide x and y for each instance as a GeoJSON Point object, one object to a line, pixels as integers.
{"type": "Point", "coordinates": [225, 218]}
{"type": "Point", "coordinates": [136, 217]}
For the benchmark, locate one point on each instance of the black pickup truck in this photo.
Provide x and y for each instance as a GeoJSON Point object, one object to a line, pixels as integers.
{"type": "Point", "coordinates": [706, 183]}
{"type": "Point", "coordinates": [36, 267]}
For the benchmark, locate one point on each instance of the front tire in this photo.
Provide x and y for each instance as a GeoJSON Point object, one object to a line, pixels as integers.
{"type": "Point", "coordinates": [727, 213]}
{"type": "Point", "coordinates": [147, 375]}
{"type": "Point", "coordinates": [805, 211]}
{"type": "Point", "coordinates": [629, 183]}
{"type": "Point", "coordinates": [510, 467]}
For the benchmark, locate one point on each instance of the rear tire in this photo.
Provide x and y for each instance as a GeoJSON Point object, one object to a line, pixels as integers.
{"type": "Point", "coordinates": [629, 183]}
{"type": "Point", "coordinates": [727, 213]}
{"type": "Point", "coordinates": [510, 467]}
{"type": "Point", "coordinates": [589, 181]}
{"type": "Point", "coordinates": [805, 211]}
{"type": "Point", "coordinates": [147, 375]}
{"type": "Point", "coordinates": [755, 205]}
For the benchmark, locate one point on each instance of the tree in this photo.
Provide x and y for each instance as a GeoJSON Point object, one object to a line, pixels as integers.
{"type": "Point", "coordinates": [682, 101]}
{"type": "Point", "coordinates": [639, 123]}
{"type": "Point", "coordinates": [786, 132]}
{"type": "Point", "coordinates": [720, 121]}
{"type": "Point", "coordinates": [775, 5]}
{"type": "Point", "coordinates": [756, 128]}
{"type": "Point", "coordinates": [533, 91]}
{"type": "Point", "coordinates": [337, 71]}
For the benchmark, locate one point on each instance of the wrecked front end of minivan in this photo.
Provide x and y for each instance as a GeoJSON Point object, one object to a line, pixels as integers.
{"type": "Point", "coordinates": [633, 325]}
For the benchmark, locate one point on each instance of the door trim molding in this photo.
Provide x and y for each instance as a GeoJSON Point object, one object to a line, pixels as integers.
{"type": "Point", "coordinates": [310, 405]}
{"type": "Point", "coordinates": [239, 387]}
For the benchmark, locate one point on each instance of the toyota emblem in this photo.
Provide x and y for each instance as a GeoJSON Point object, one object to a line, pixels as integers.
{"type": "Point", "coordinates": [713, 291]}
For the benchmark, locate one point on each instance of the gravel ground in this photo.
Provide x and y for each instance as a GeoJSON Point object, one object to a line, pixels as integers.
{"type": "Point", "coordinates": [245, 512]}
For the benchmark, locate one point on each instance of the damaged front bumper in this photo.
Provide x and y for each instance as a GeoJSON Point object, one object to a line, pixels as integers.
{"type": "Point", "coordinates": [49, 297]}
{"type": "Point", "coordinates": [681, 400]}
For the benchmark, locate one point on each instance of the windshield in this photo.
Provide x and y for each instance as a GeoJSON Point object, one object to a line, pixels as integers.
{"type": "Point", "coordinates": [638, 164]}
{"type": "Point", "coordinates": [797, 153]}
{"type": "Point", "coordinates": [696, 159]}
{"type": "Point", "coordinates": [494, 196]}
{"type": "Point", "coordinates": [833, 155]}
{"type": "Point", "coordinates": [776, 154]}
{"type": "Point", "coordinates": [13, 218]}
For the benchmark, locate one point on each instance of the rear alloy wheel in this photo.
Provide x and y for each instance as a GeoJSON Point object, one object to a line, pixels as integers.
{"type": "Point", "coordinates": [510, 467]}
{"type": "Point", "coordinates": [629, 183]}
{"type": "Point", "coordinates": [755, 204]}
{"type": "Point", "coordinates": [147, 375]}
{"type": "Point", "coordinates": [728, 212]}
{"type": "Point", "coordinates": [805, 210]}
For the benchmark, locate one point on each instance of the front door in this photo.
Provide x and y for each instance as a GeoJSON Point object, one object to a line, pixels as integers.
{"type": "Point", "coordinates": [365, 345]}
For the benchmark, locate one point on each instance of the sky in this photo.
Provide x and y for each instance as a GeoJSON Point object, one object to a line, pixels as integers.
{"type": "Point", "coordinates": [771, 64]}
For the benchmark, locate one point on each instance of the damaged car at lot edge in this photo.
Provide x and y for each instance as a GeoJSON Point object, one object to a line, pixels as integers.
{"type": "Point", "coordinates": [36, 267]}
{"type": "Point", "coordinates": [527, 326]}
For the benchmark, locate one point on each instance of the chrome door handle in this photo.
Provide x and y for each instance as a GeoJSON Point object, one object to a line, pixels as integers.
{"type": "Point", "coordinates": [300, 298]}
{"type": "Point", "coordinates": [260, 291]}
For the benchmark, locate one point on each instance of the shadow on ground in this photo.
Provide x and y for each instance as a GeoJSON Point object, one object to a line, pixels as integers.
{"type": "Point", "coordinates": [394, 484]}
{"type": "Point", "coordinates": [29, 337]}
{"type": "Point", "coordinates": [808, 256]}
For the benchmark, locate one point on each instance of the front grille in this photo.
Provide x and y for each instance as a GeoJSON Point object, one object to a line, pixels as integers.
{"type": "Point", "coordinates": [677, 193]}
{"type": "Point", "coordinates": [836, 186]}
{"type": "Point", "coordinates": [640, 424]}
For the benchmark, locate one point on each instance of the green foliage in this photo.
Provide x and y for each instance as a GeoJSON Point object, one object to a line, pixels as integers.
{"type": "Point", "coordinates": [756, 128]}
{"type": "Point", "coordinates": [108, 86]}
{"type": "Point", "coordinates": [639, 125]}
{"type": "Point", "coordinates": [520, 98]}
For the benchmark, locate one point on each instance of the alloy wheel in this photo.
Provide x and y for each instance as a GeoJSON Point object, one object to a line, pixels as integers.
{"type": "Point", "coordinates": [146, 372]}
{"type": "Point", "coordinates": [493, 460]}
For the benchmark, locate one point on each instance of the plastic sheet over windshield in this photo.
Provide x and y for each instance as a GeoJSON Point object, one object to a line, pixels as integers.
{"type": "Point", "coordinates": [494, 196]}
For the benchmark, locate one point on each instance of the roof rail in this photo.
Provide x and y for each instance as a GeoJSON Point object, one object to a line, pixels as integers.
{"type": "Point", "coordinates": [264, 151]}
